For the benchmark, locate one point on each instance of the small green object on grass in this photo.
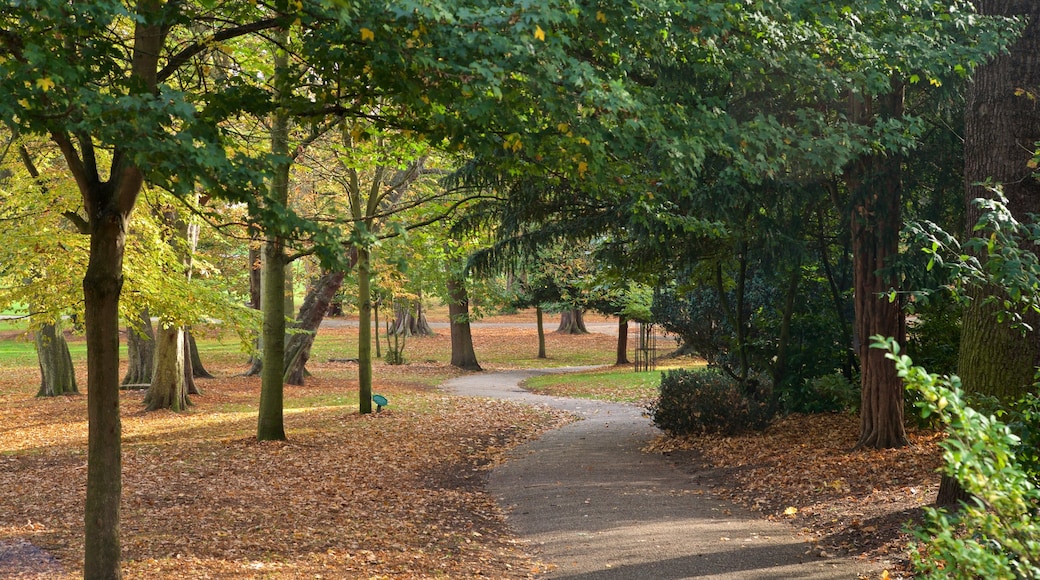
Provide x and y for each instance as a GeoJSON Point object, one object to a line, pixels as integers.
{"type": "Point", "coordinates": [380, 402]}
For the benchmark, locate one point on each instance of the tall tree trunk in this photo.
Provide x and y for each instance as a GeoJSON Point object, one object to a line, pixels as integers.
{"type": "Point", "coordinates": [312, 312]}
{"type": "Point", "coordinates": [256, 260]}
{"type": "Point", "coordinates": [783, 345]}
{"type": "Point", "coordinates": [168, 389]}
{"type": "Point", "coordinates": [102, 285]}
{"type": "Point", "coordinates": [270, 422]}
{"type": "Point", "coordinates": [622, 342]}
{"type": "Point", "coordinates": [190, 385]}
{"type": "Point", "coordinates": [462, 354]}
{"type": "Point", "coordinates": [572, 322]}
{"type": "Point", "coordinates": [57, 376]}
{"type": "Point", "coordinates": [140, 347]}
{"type": "Point", "coordinates": [875, 184]}
{"type": "Point", "coordinates": [197, 370]}
{"type": "Point", "coordinates": [364, 332]}
{"type": "Point", "coordinates": [375, 325]}
{"type": "Point", "coordinates": [541, 331]}
{"type": "Point", "coordinates": [1001, 129]}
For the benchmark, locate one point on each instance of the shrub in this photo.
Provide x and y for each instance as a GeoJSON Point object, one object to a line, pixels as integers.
{"type": "Point", "coordinates": [825, 394]}
{"type": "Point", "coordinates": [997, 533]}
{"type": "Point", "coordinates": [705, 401]}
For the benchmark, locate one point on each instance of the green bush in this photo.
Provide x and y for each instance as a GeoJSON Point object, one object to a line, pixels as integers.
{"type": "Point", "coordinates": [997, 533]}
{"type": "Point", "coordinates": [824, 394]}
{"type": "Point", "coordinates": [705, 401]}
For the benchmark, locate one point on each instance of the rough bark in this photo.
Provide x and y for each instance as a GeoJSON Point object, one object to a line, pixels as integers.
{"type": "Point", "coordinates": [541, 332]}
{"type": "Point", "coordinates": [875, 184]}
{"type": "Point", "coordinates": [312, 312]}
{"type": "Point", "coordinates": [140, 347]}
{"type": "Point", "coordinates": [172, 378]}
{"type": "Point", "coordinates": [168, 389]}
{"type": "Point", "coordinates": [462, 354]}
{"type": "Point", "coordinates": [622, 342]}
{"type": "Point", "coordinates": [572, 322]}
{"type": "Point", "coordinates": [57, 376]}
{"type": "Point", "coordinates": [1001, 129]}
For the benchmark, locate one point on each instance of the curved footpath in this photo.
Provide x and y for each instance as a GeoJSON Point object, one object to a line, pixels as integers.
{"type": "Point", "coordinates": [594, 505]}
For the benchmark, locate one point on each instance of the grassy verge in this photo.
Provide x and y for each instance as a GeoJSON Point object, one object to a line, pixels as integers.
{"type": "Point", "coordinates": [618, 384]}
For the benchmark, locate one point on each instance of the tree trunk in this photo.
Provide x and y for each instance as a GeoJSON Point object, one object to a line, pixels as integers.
{"type": "Point", "coordinates": [168, 389]}
{"type": "Point", "coordinates": [462, 354]}
{"type": "Point", "coordinates": [622, 342]}
{"type": "Point", "coordinates": [256, 260]}
{"type": "Point", "coordinates": [190, 385]}
{"type": "Point", "coordinates": [410, 320]}
{"type": "Point", "coordinates": [197, 370]}
{"type": "Point", "coordinates": [875, 184]}
{"type": "Point", "coordinates": [375, 326]}
{"type": "Point", "coordinates": [312, 312]}
{"type": "Point", "coordinates": [102, 285]}
{"type": "Point", "coordinates": [57, 376]}
{"type": "Point", "coordinates": [783, 344]}
{"type": "Point", "coordinates": [572, 322]}
{"type": "Point", "coordinates": [1001, 129]}
{"type": "Point", "coordinates": [541, 332]}
{"type": "Point", "coordinates": [364, 332]}
{"type": "Point", "coordinates": [140, 351]}
{"type": "Point", "coordinates": [270, 422]}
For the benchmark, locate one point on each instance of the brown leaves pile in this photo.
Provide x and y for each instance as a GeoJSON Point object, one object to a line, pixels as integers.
{"type": "Point", "coordinates": [396, 493]}
{"type": "Point", "coordinates": [803, 470]}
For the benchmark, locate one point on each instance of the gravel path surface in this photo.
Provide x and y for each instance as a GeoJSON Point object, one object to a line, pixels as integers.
{"type": "Point", "coordinates": [595, 506]}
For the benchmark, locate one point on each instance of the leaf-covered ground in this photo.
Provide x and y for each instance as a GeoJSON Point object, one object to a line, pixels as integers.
{"type": "Point", "coordinates": [395, 494]}
{"type": "Point", "coordinates": [803, 470]}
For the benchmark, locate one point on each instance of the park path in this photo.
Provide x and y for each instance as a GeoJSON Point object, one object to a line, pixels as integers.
{"type": "Point", "coordinates": [591, 503]}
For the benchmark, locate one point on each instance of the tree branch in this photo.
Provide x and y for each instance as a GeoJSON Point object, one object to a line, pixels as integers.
{"type": "Point", "coordinates": [178, 60]}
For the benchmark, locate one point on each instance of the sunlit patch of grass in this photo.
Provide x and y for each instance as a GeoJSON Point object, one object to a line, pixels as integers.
{"type": "Point", "coordinates": [618, 384]}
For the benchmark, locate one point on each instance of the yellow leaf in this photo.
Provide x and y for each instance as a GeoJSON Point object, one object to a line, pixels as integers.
{"type": "Point", "coordinates": [367, 34]}
{"type": "Point", "coordinates": [790, 511]}
{"type": "Point", "coordinates": [885, 575]}
{"type": "Point", "coordinates": [601, 17]}
{"type": "Point", "coordinates": [539, 33]}
{"type": "Point", "coordinates": [584, 141]}
{"type": "Point", "coordinates": [935, 82]}
{"type": "Point", "coordinates": [24, 103]}
{"type": "Point", "coordinates": [582, 168]}
{"type": "Point", "coordinates": [45, 83]}
{"type": "Point", "coordinates": [562, 127]}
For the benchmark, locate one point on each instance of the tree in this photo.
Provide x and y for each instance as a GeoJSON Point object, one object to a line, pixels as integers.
{"type": "Point", "coordinates": [462, 353]}
{"type": "Point", "coordinates": [70, 75]}
{"type": "Point", "coordinates": [1001, 128]}
{"type": "Point", "coordinates": [875, 184]}
{"type": "Point", "coordinates": [140, 341]}
{"type": "Point", "coordinates": [57, 376]}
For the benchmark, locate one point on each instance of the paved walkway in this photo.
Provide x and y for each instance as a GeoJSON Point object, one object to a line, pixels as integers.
{"type": "Point", "coordinates": [590, 502]}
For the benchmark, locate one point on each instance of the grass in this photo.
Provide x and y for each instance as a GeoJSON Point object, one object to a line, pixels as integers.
{"type": "Point", "coordinates": [619, 384]}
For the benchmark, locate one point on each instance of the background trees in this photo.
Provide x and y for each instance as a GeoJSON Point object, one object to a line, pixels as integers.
{"type": "Point", "coordinates": [698, 141]}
